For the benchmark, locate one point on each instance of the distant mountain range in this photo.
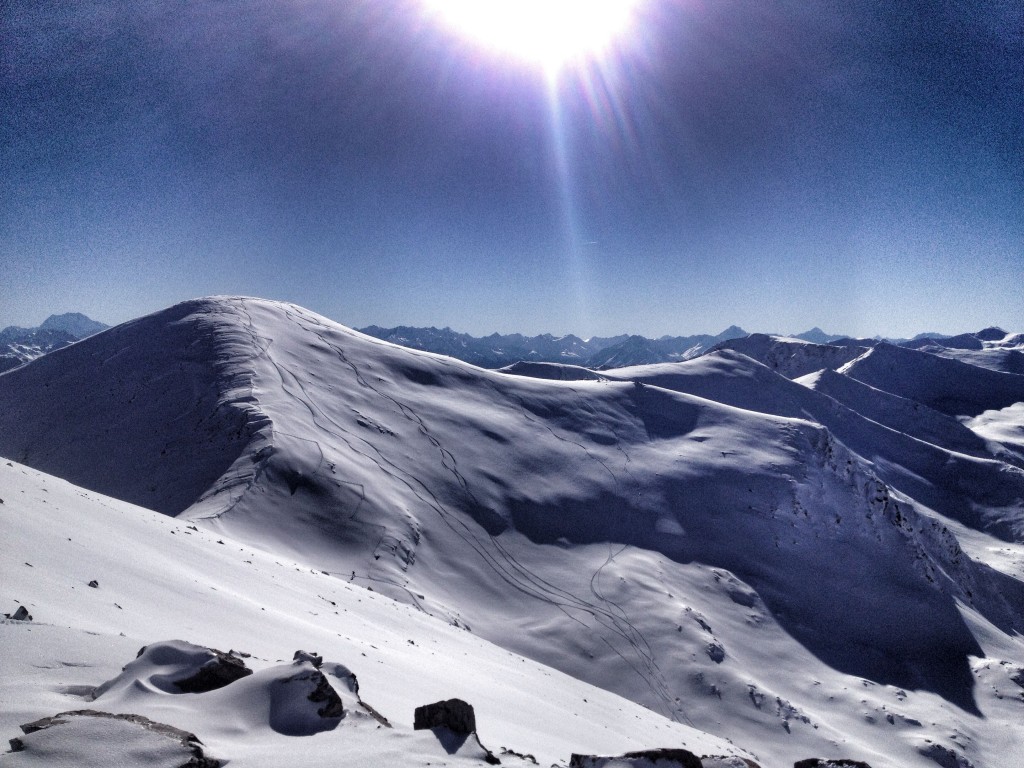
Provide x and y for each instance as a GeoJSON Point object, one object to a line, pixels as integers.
{"type": "Point", "coordinates": [605, 353]}
{"type": "Point", "coordinates": [498, 351]}
{"type": "Point", "coordinates": [19, 345]}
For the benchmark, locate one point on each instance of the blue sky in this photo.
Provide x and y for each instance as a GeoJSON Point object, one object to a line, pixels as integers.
{"type": "Point", "coordinates": [853, 165]}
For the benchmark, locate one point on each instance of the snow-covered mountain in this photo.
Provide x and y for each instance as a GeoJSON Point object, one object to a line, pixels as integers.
{"type": "Point", "coordinates": [74, 323]}
{"type": "Point", "coordinates": [807, 568]}
{"type": "Point", "coordinates": [19, 345]}
{"type": "Point", "coordinates": [989, 348]}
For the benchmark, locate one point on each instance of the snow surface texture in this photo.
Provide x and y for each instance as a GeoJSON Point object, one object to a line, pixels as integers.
{"type": "Point", "coordinates": [160, 578]}
{"type": "Point", "coordinates": [806, 572]}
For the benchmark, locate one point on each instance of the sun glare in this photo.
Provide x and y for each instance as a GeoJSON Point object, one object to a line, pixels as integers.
{"type": "Point", "coordinates": [547, 33]}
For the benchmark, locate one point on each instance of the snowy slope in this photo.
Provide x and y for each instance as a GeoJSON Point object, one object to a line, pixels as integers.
{"type": "Point", "coordinates": [728, 564]}
{"type": "Point", "coordinates": [791, 357]}
{"type": "Point", "coordinates": [950, 386]}
{"type": "Point", "coordinates": [960, 474]}
{"type": "Point", "coordinates": [159, 579]}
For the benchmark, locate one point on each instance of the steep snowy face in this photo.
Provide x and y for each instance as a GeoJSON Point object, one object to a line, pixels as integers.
{"type": "Point", "coordinates": [949, 386]}
{"type": "Point", "coordinates": [791, 357]}
{"type": "Point", "coordinates": [927, 455]}
{"type": "Point", "coordinates": [655, 542]}
{"type": "Point", "coordinates": [154, 411]}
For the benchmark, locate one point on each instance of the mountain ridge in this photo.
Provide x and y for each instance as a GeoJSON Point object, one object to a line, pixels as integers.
{"type": "Point", "coordinates": [579, 522]}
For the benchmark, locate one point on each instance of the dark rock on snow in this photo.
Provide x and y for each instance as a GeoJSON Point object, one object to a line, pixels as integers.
{"type": "Point", "coordinates": [663, 758]}
{"type": "Point", "coordinates": [821, 762]}
{"type": "Point", "coordinates": [727, 761]}
{"type": "Point", "coordinates": [219, 671]}
{"type": "Point", "coordinates": [313, 658]}
{"type": "Point", "coordinates": [332, 706]}
{"type": "Point", "coordinates": [945, 757]}
{"type": "Point", "coordinates": [453, 714]}
{"type": "Point", "coordinates": [21, 614]}
{"type": "Point", "coordinates": [190, 743]}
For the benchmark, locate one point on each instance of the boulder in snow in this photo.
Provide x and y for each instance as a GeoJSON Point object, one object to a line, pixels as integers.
{"type": "Point", "coordinates": [313, 658]}
{"type": "Point", "coordinates": [650, 758]}
{"type": "Point", "coordinates": [88, 737]}
{"type": "Point", "coordinates": [727, 761]}
{"type": "Point", "coordinates": [453, 714]}
{"type": "Point", "coordinates": [223, 669]}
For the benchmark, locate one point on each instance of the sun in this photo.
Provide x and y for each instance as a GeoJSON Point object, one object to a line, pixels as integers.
{"type": "Point", "coordinates": [545, 33]}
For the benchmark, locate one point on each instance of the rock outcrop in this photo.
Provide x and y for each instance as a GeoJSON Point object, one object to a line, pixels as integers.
{"type": "Point", "coordinates": [453, 714]}
{"type": "Point", "coordinates": [661, 758]}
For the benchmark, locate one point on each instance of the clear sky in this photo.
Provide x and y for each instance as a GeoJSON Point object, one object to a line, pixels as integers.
{"type": "Point", "coordinates": [778, 164]}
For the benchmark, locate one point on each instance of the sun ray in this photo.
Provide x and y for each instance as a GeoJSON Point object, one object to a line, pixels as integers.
{"type": "Point", "coordinates": [547, 33]}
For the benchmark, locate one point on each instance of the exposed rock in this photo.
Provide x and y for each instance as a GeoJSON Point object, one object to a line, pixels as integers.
{"type": "Point", "coordinates": [1017, 676]}
{"type": "Point", "coordinates": [716, 652]}
{"type": "Point", "coordinates": [453, 714]}
{"type": "Point", "coordinates": [663, 758]}
{"type": "Point", "coordinates": [312, 658]}
{"type": "Point", "coordinates": [727, 761]}
{"type": "Point", "coordinates": [945, 756]}
{"type": "Point", "coordinates": [219, 671]}
{"type": "Point", "coordinates": [190, 743]}
{"type": "Point", "coordinates": [94, 584]}
{"type": "Point", "coordinates": [21, 614]}
{"type": "Point", "coordinates": [325, 693]}
{"type": "Point", "coordinates": [823, 762]}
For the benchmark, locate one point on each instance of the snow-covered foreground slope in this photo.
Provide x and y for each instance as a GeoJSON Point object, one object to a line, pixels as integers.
{"type": "Point", "coordinates": [711, 552]}
{"type": "Point", "coordinates": [160, 579]}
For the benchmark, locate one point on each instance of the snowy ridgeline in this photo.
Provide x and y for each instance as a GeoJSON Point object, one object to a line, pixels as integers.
{"type": "Point", "coordinates": [810, 550]}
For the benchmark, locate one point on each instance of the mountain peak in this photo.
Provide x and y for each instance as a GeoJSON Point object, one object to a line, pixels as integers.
{"type": "Point", "coordinates": [78, 325]}
{"type": "Point", "coordinates": [732, 332]}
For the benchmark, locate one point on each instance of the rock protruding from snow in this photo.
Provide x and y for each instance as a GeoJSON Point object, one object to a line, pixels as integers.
{"type": "Point", "coordinates": [176, 666]}
{"type": "Point", "coordinates": [21, 614]}
{"type": "Point", "coordinates": [650, 758]}
{"type": "Point", "coordinates": [219, 671]}
{"type": "Point", "coordinates": [88, 737]}
{"type": "Point", "coordinates": [820, 762]}
{"type": "Point", "coordinates": [294, 699]}
{"type": "Point", "coordinates": [945, 757]}
{"type": "Point", "coordinates": [313, 658]}
{"type": "Point", "coordinates": [454, 714]}
{"type": "Point", "coordinates": [727, 761]}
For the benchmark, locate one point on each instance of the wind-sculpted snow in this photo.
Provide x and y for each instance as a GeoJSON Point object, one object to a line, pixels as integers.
{"type": "Point", "coordinates": [731, 548]}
